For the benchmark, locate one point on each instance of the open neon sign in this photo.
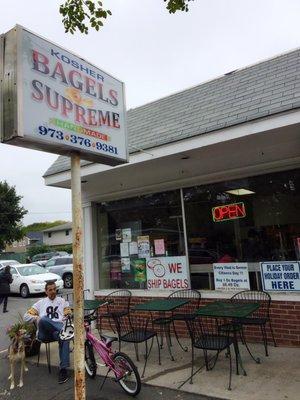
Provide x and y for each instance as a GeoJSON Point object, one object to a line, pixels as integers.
{"type": "Point", "coordinates": [228, 212]}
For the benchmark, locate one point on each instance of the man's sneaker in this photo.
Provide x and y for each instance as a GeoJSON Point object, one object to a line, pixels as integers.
{"type": "Point", "coordinates": [63, 376]}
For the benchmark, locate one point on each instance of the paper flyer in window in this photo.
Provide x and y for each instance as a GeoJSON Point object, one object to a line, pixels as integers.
{"type": "Point", "coordinates": [159, 247]}
{"type": "Point", "coordinates": [143, 246]}
{"type": "Point", "coordinates": [133, 248]}
{"type": "Point", "coordinates": [118, 234]}
{"type": "Point", "coordinates": [231, 276]}
{"type": "Point", "coordinates": [126, 235]}
{"type": "Point", "coordinates": [125, 264]}
{"type": "Point", "coordinates": [139, 270]}
{"type": "Point", "coordinates": [124, 250]}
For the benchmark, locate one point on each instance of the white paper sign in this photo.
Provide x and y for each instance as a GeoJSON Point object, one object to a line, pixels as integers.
{"type": "Point", "coordinates": [124, 249]}
{"type": "Point", "coordinates": [125, 264]}
{"type": "Point", "coordinates": [231, 276]}
{"type": "Point", "coordinates": [126, 235]}
{"type": "Point", "coordinates": [143, 246]}
{"type": "Point", "coordinates": [167, 273]}
{"type": "Point", "coordinates": [280, 276]}
{"type": "Point", "coordinates": [133, 248]}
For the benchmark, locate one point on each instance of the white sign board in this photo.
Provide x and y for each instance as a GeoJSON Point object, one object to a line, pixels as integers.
{"type": "Point", "coordinates": [231, 276]}
{"type": "Point", "coordinates": [280, 276]}
{"type": "Point", "coordinates": [167, 273]}
{"type": "Point", "coordinates": [62, 102]}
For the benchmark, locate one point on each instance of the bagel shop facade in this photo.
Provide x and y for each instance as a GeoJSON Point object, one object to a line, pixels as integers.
{"type": "Point", "coordinates": [209, 199]}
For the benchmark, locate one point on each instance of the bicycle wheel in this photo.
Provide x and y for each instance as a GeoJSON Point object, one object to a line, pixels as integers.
{"type": "Point", "coordinates": [89, 360]}
{"type": "Point", "coordinates": [131, 381]}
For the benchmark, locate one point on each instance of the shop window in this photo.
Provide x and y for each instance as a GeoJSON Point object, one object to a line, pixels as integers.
{"type": "Point", "coordinates": [246, 220]}
{"type": "Point", "coordinates": [136, 229]}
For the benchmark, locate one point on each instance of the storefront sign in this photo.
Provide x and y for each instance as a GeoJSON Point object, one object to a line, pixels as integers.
{"type": "Point", "coordinates": [280, 276]}
{"type": "Point", "coordinates": [167, 273]}
{"type": "Point", "coordinates": [57, 102]}
{"type": "Point", "coordinates": [228, 212]}
{"type": "Point", "coordinates": [231, 276]}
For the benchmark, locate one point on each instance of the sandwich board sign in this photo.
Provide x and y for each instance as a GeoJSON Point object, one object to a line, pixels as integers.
{"type": "Point", "coordinates": [55, 101]}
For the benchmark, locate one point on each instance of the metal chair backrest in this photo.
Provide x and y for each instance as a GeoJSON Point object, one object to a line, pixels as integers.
{"type": "Point", "coordinates": [119, 300]}
{"type": "Point", "coordinates": [131, 323]}
{"type": "Point", "coordinates": [69, 296]}
{"type": "Point", "coordinates": [202, 328]}
{"type": "Point", "coordinates": [193, 295]}
{"type": "Point", "coordinates": [255, 296]}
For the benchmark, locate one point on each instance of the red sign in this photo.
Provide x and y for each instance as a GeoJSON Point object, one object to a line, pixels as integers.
{"type": "Point", "coordinates": [228, 212]}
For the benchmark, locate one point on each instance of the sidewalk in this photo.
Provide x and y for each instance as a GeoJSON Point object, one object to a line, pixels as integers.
{"type": "Point", "coordinates": [277, 377]}
{"type": "Point", "coordinates": [40, 385]}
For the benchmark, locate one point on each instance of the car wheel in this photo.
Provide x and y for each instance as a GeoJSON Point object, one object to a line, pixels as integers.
{"type": "Point", "coordinates": [24, 291]}
{"type": "Point", "coordinates": [68, 281]}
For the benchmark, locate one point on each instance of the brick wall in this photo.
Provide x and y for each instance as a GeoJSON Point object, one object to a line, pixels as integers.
{"type": "Point", "coordinates": [285, 318]}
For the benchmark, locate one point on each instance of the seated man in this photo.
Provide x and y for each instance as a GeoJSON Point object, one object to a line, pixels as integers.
{"type": "Point", "coordinates": [48, 314]}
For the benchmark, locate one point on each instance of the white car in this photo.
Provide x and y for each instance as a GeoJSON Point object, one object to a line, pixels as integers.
{"type": "Point", "coordinates": [31, 278]}
{"type": "Point", "coordinates": [4, 263]}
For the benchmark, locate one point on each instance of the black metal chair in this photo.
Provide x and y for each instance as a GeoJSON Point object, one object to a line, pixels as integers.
{"type": "Point", "coordinates": [260, 317]}
{"type": "Point", "coordinates": [48, 353]}
{"type": "Point", "coordinates": [118, 304]}
{"type": "Point", "coordinates": [186, 312]}
{"type": "Point", "coordinates": [205, 335]}
{"type": "Point", "coordinates": [135, 329]}
{"type": "Point", "coordinates": [69, 296]}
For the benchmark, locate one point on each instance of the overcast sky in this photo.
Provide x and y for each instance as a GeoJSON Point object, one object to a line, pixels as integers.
{"type": "Point", "coordinates": [155, 54]}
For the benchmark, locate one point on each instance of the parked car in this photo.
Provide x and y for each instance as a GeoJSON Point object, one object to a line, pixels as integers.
{"type": "Point", "coordinates": [30, 279]}
{"type": "Point", "coordinates": [4, 263]}
{"type": "Point", "coordinates": [62, 266]}
{"type": "Point", "coordinates": [48, 256]}
{"type": "Point", "coordinates": [41, 263]}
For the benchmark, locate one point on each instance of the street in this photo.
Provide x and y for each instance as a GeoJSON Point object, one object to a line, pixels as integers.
{"type": "Point", "coordinates": [39, 384]}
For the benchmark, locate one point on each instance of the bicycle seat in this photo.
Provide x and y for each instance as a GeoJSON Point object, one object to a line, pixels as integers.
{"type": "Point", "coordinates": [108, 339]}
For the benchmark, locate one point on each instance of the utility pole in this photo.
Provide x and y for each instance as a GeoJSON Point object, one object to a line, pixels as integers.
{"type": "Point", "coordinates": [78, 281]}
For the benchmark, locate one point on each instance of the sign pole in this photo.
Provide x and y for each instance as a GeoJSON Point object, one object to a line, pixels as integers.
{"type": "Point", "coordinates": [78, 281]}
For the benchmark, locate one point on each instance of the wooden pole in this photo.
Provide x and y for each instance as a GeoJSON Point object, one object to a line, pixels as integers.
{"type": "Point", "coordinates": [78, 279]}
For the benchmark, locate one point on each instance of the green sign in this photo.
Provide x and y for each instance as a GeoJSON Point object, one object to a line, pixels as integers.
{"type": "Point", "coordinates": [139, 269]}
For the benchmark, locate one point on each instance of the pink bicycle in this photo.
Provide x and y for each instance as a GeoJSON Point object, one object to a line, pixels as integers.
{"type": "Point", "coordinates": [126, 373]}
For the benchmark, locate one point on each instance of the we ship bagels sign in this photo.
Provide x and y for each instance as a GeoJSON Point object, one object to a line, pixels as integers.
{"type": "Point", "coordinates": [55, 101]}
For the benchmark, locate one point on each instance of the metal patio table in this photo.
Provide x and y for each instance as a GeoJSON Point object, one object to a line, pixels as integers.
{"type": "Point", "coordinates": [90, 305]}
{"type": "Point", "coordinates": [222, 310]}
{"type": "Point", "coordinates": [162, 306]}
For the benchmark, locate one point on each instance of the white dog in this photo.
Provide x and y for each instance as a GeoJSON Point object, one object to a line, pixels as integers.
{"type": "Point", "coordinates": [16, 352]}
